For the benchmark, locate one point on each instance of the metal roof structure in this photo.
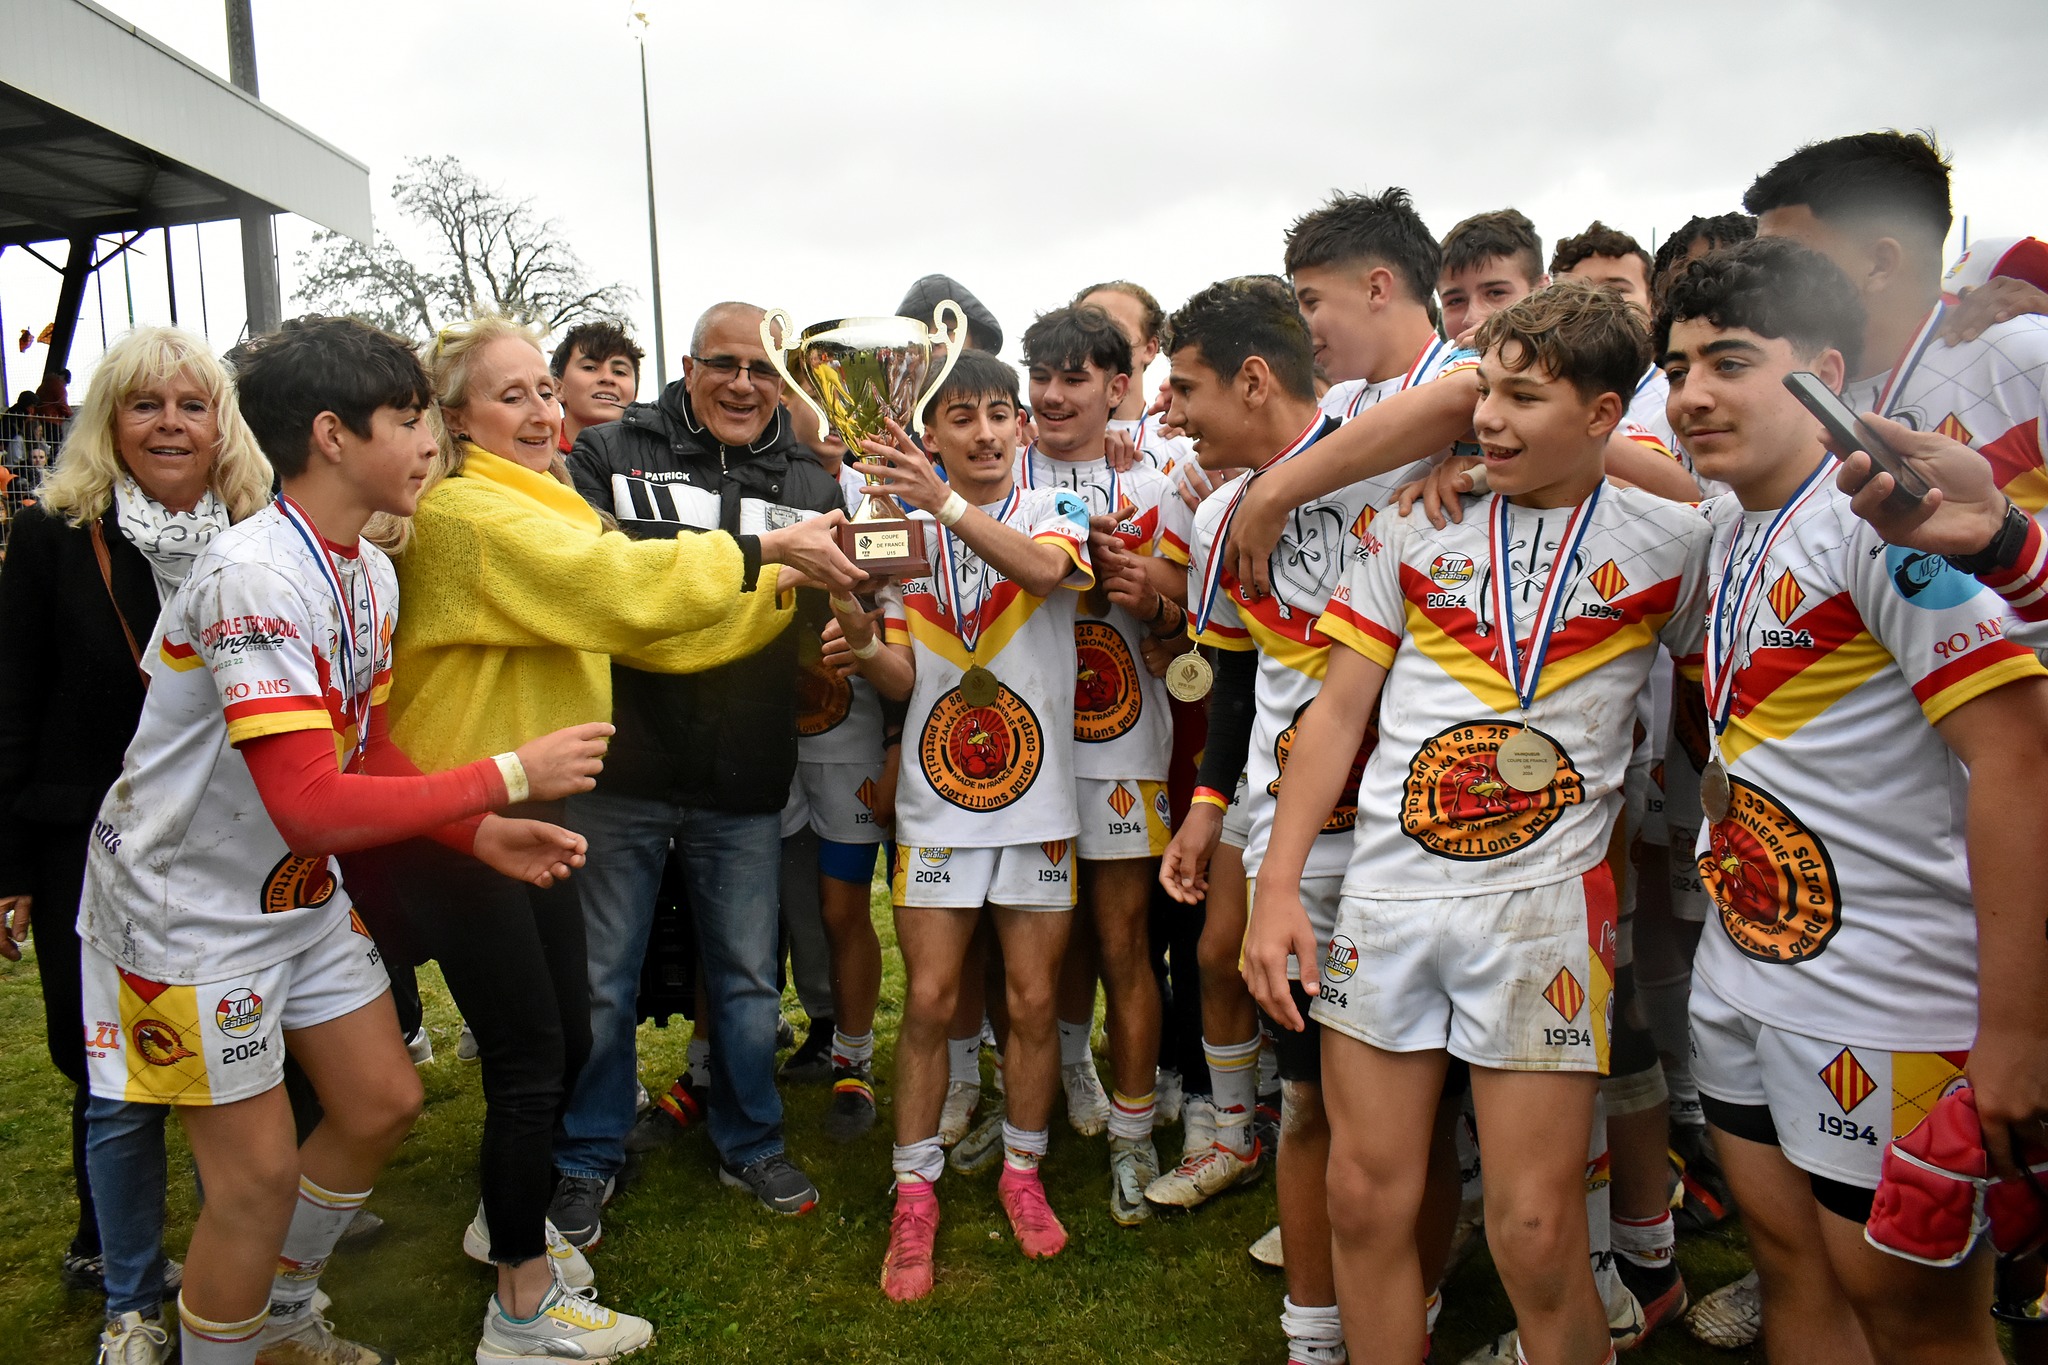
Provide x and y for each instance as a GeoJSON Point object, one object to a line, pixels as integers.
{"type": "Point", "coordinates": [105, 130]}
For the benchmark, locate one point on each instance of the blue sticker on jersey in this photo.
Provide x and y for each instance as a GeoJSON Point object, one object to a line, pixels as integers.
{"type": "Point", "coordinates": [1928, 580]}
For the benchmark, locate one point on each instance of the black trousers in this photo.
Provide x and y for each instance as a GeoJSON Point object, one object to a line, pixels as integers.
{"type": "Point", "coordinates": [57, 881]}
{"type": "Point", "coordinates": [513, 958]}
{"type": "Point", "coordinates": [1176, 937]}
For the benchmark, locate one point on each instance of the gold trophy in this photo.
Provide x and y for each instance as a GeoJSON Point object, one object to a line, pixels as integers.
{"type": "Point", "coordinates": [854, 372]}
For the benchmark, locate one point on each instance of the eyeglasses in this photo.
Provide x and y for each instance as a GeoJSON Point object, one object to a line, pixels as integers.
{"type": "Point", "coordinates": [726, 368]}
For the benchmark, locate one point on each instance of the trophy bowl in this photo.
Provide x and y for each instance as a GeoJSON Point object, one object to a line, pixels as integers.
{"type": "Point", "coordinates": [853, 372]}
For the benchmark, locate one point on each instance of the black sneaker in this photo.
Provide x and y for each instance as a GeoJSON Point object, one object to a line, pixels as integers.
{"type": "Point", "coordinates": [1266, 1123]}
{"type": "Point", "coordinates": [84, 1271]}
{"type": "Point", "coordinates": [776, 1181]}
{"type": "Point", "coordinates": [852, 1111]}
{"type": "Point", "coordinates": [813, 1061]}
{"type": "Point", "coordinates": [575, 1208]}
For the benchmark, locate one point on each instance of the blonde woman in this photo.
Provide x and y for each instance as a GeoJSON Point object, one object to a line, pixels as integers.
{"type": "Point", "coordinates": [158, 462]}
{"type": "Point", "coordinates": [516, 597]}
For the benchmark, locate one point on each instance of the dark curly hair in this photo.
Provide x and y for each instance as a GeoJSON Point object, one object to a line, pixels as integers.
{"type": "Point", "coordinates": [1773, 287]}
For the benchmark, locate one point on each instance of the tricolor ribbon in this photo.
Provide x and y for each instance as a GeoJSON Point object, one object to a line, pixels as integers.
{"type": "Point", "coordinates": [1424, 358]}
{"type": "Point", "coordinates": [1728, 627]}
{"type": "Point", "coordinates": [359, 701]}
{"type": "Point", "coordinates": [951, 594]}
{"type": "Point", "coordinates": [1212, 567]}
{"type": "Point", "coordinates": [1524, 670]}
{"type": "Point", "coordinates": [1895, 383]}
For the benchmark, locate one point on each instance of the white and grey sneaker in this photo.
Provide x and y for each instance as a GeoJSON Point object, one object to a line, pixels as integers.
{"type": "Point", "coordinates": [571, 1326]}
{"type": "Point", "coordinates": [132, 1339]}
{"type": "Point", "coordinates": [571, 1267]}
{"type": "Point", "coordinates": [1269, 1251]}
{"type": "Point", "coordinates": [1168, 1093]}
{"type": "Point", "coordinates": [465, 1044]}
{"type": "Point", "coordinates": [957, 1115]}
{"type": "Point", "coordinates": [419, 1045]}
{"type": "Point", "coordinates": [1087, 1101]}
{"type": "Point", "coordinates": [1731, 1316]}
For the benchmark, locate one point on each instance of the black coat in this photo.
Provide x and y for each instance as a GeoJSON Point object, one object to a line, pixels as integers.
{"type": "Point", "coordinates": [724, 739]}
{"type": "Point", "coordinates": [70, 695]}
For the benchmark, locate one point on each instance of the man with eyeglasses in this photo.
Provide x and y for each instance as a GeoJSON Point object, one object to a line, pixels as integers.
{"type": "Point", "coordinates": [702, 759]}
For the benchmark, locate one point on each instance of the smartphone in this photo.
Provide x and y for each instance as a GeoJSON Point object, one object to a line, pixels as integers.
{"type": "Point", "coordinates": [1846, 432]}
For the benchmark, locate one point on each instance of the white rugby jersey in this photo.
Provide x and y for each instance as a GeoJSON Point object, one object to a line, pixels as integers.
{"type": "Point", "coordinates": [1990, 393]}
{"type": "Point", "coordinates": [986, 776]}
{"type": "Point", "coordinates": [1293, 654]}
{"type": "Point", "coordinates": [1841, 875]}
{"type": "Point", "coordinates": [187, 880]}
{"type": "Point", "coordinates": [1123, 729]}
{"type": "Point", "coordinates": [1158, 451]}
{"type": "Point", "coordinates": [1646, 407]}
{"type": "Point", "coordinates": [1440, 821]}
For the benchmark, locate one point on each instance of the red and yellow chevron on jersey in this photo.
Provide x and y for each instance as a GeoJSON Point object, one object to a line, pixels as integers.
{"type": "Point", "coordinates": [1840, 873]}
{"type": "Point", "coordinates": [1436, 818]}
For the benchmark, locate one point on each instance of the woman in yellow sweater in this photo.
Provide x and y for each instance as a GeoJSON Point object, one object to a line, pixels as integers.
{"type": "Point", "coordinates": [515, 598]}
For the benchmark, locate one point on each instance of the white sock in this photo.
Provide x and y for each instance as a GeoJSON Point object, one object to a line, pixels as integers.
{"type": "Point", "coordinates": [1315, 1335]}
{"type": "Point", "coordinates": [849, 1051]}
{"type": "Point", "coordinates": [1023, 1150]}
{"type": "Point", "coordinates": [204, 1342]}
{"type": "Point", "coordinates": [1432, 1309]}
{"type": "Point", "coordinates": [318, 1220]}
{"type": "Point", "coordinates": [699, 1061]}
{"type": "Point", "coordinates": [1647, 1242]}
{"type": "Point", "coordinates": [963, 1060]}
{"type": "Point", "coordinates": [922, 1160]}
{"type": "Point", "coordinates": [1234, 1074]}
{"type": "Point", "coordinates": [1073, 1043]}
{"type": "Point", "coordinates": [1131, 1116]}
{"type": "Point", "coordinates": [1599, 1206]}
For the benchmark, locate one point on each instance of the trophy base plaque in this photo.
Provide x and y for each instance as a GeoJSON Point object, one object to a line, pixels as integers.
{"type": "Point", "coordinates": [886, 548]}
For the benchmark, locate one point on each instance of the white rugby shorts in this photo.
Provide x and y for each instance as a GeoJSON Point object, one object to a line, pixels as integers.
{"type": "Point", "coordinates": [837, 800]}
{"type": "Point", "coordinates": [1022, 876]}
{"type": "Point", "coordinates": [1126, 818]}
{"type": "Point", "coordinates": [220, 1042]}
{"type": "Point", "coordinates": [1513, 980]}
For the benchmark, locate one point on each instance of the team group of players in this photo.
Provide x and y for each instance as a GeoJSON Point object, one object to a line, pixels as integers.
{"type": "Point", "coordinates": [1559, 761]}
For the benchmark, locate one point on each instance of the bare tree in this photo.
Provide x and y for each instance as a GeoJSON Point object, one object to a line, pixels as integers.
{"type": "Point", "coordinates": [490, 253]}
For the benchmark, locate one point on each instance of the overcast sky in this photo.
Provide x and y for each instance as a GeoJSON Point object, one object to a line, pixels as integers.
{"type": "Point", "coordinates": [820, 154]}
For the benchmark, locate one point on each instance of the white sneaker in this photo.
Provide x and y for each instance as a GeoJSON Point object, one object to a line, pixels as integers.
{"type": "Point", "coordinates": [1168, 1094]}
{"type": "Point", "coordinates": [419, 1045]}
{"type": "Point", "coordinates": [1203, 1175]}
{"type": "Point", "coordinates": [572, 1326]}
{"type": "Point", "coordinates": [1625, 1322]}
{"type": "Point", "coordinates": [465, 1045]}
{"type": "Point", "coordinates": [571, 1267]}
{"type": "Point", "coordinates": [1268, 1252]}
{"type": "Point", "coordinates": [1133, 1169]}
{"type": "Point", "coordinates": [1731, 1316]}
{"type": "Point", "coordinates": [962, 1099]}
{"type": "Point", "coordinates": [132, 1339]}
{"type": "Point", "coordinates": [312, 1342]}
{"type": "Point", "coordinates": [1087, 1101]}
{"type": "Point", "coordinates": [1624, 1325]}
{"type": "Point", "coordinates": [1197, 1125]}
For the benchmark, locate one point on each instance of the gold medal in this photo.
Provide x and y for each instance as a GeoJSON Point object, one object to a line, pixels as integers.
{"type": "Point", "coordinates": [1189, 677]}
{"type": "Point", "coordinates": [978, 686]}
{"type": "Point", "coordinates": [1717, 796]}
{"type": "Point", "coordinates": [1526, 761]}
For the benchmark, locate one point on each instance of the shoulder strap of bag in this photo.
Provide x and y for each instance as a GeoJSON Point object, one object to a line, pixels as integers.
{"type": "Point", "coordinates": [106, 563]}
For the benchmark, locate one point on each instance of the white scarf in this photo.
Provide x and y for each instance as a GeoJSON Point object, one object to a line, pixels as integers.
{"type": "Point", "coordinates": [169, 540]}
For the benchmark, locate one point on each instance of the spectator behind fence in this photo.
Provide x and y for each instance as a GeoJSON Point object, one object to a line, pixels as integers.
{"type": "Point", "coordinates": [158, 463]}
{"type": "Point", "coordinates": [514, 595]}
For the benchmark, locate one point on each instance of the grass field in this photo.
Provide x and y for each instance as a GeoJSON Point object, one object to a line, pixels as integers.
{"type": "Point", "coordinates": [724, 1281]}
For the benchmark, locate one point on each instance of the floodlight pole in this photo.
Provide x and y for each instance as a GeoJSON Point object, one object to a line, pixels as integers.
{"type": "Point", "coordinates": [653, 237]}
{"type": "Point", "coordinates": [259, 241]}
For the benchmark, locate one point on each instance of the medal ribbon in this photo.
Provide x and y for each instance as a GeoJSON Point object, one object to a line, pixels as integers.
{"type": "Point", "coordinates": [358, 701]}
{"type": "Point", "coordinates": [1728, 626]}
{"type": "Point", "coordinates": [1212, 568]}
{"type": "Point", "coordinates": [1895, 384]}
{"type": "Point", "coordinates": [951, 594]}
{"type": "Point", "coordinates": [1524, 670]}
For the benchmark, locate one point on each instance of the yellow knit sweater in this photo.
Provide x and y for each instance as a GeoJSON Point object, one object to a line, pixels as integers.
{"type": "Point", "coordinates": [513, 598]}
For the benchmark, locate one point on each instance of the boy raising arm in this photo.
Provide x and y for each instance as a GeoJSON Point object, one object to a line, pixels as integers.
{"type": "Point", "coordinates": [983, 647]}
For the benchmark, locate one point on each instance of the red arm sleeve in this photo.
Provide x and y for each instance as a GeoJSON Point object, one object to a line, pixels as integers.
{"type": "Point", "coordinates": [384, 758]}
{"type": "Point", "coordinates": [321, 810]}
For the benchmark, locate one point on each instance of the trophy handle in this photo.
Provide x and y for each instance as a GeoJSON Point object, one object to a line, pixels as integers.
{"type": "Point", "coordinates": [956, 337]}
{"type": "Point", "coordinates": [776, 352]}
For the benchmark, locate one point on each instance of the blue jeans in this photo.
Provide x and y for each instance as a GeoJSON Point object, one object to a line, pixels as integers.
{"type": "Point", "coordinates": [124, 1151]}
{"type": "Point", "coordinates": [732, 867]}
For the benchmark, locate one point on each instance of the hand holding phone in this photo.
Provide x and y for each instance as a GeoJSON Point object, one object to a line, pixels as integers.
{"type": "Point", "coordinates": [1847, 434]}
